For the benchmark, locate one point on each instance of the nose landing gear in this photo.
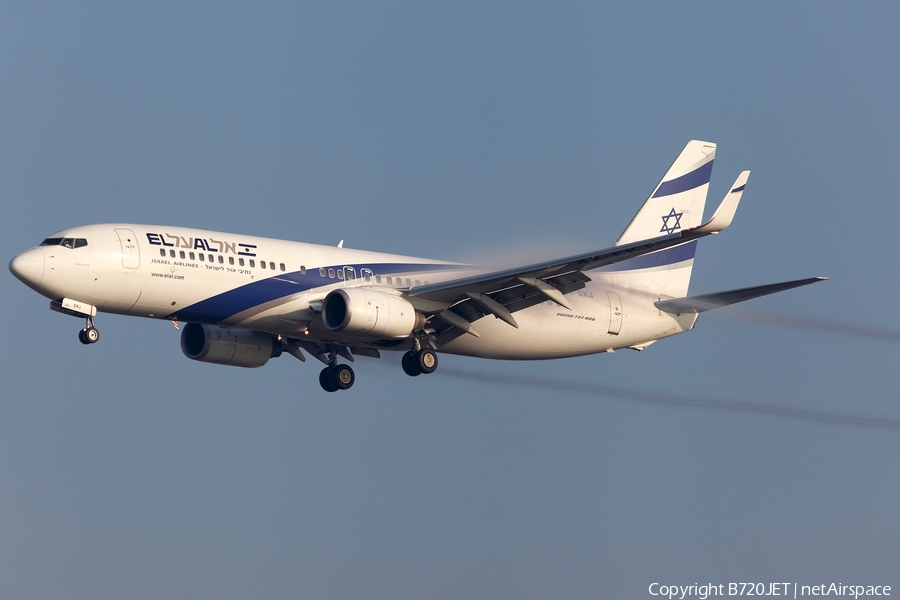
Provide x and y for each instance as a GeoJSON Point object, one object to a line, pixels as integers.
{"type": "Point", "coordinates": [82, 310]}
{"type": "Point", "coordinates": [89, 334]}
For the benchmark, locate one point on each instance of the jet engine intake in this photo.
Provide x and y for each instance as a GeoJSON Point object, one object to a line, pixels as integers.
{"type": "Point", "coordinates": [228, 345]}
{"type": "Point", "coordinates": [365, 312]}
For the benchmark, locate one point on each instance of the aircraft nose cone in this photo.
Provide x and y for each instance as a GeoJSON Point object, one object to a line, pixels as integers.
{"type": "Point", "coordinates": [28, 267]}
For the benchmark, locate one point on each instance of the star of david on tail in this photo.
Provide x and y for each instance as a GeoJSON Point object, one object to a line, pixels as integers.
{"type": "Point", "coordinates": [670, 228]}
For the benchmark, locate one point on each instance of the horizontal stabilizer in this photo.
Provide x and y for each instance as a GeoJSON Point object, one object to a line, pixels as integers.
{"type": "Point", "coordinates": [704, 302]}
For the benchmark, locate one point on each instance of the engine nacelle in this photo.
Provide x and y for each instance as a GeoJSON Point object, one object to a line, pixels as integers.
{"type": "Point", "coordinates": [365, 312]}
{"type": "Point", "coordinates": [227, 345]}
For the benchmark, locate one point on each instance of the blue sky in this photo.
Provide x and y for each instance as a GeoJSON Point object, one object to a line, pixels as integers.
{"type": "Point", "coordinates": [457, 131]}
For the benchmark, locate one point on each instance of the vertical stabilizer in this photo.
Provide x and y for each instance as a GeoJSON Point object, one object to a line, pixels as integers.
{"type": "Point", "coordinates": [676, 204]}
{"type": "Point", "coordinates": [678, 200]}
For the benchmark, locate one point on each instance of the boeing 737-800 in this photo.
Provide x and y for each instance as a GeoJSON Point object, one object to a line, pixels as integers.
{"type": "Point", "coordinates": [242, 300]}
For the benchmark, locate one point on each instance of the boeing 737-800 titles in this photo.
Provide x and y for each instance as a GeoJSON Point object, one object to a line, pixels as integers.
{"type": "Point", "coordinates": [242, 300]}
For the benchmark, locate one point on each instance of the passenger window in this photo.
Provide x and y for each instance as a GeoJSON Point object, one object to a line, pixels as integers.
{"type": "Point", "coordinates": [389, 282]}
{"type": "Point", "coordinates": [302, 270]}
{"type": "Point", "coordinates": [281, 266]}
{"type": "Point", "coordinates": [340, 274]}
{"type": "Point", "coordinates": [171, 254]}
{"type": "Point", "coordinates": [321, 271]}
{"type": "Point", "coordinates": [211, 258]}
{"type": "Point", "coordinates": [262, 264]}
{"type": "Point", "coordinates": [331, 273]}
{"type": "Point", "coordinates": [252, 263]}
{"type": "Point", "coordinates": [230, 260]}
{"type": "Point", "coordinates": [191, 254]}
{"type": "Point", "coordinates": [272, 266]}
{"type": "Point", "coordinates": [162, 251]}
{"type": "Point", "coordinates": [367, 276]}
{"type": "Point", "coordinates": [201, 257]}
{"type": "Point", "coordinates": [378, 279]}
{"type": "Point", "coordinates": [407, 283]}
{"type": "Point", "coordinates": [417, 282]}
{"type": "Point", "coordinates": [80, 243]}
{"type": "Point", "coordinates": [181, 253]}
{"type": "Point", "coordinates": [241, 262]}
{"type": "Point", "coordinates": [221, 259]}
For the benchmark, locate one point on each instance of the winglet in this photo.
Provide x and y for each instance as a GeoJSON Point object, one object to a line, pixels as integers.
{"type": "Point", "coordinates": [725, 213]}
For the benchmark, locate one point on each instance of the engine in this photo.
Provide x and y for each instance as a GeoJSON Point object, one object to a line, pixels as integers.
{"type": "Point", "coordinates": [228, 346]}
{"type": "Point", "coordinates": [365, 312]}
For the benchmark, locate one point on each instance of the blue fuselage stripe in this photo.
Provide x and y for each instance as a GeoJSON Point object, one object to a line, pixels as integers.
{"type": "Point", "coordinates": [669, 256]}
{"type": "Point", "coordinates": [229, 303]}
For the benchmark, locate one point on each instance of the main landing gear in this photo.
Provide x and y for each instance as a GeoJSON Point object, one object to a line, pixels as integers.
{"type": "Point", "coordinates": [89, 334]}
{"type": "Point", "coordinates": [336, 377]}
{"type": "Point", "coordinates": [418, 362]}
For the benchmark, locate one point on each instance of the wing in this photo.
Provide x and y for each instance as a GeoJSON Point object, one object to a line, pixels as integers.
{"type": "Point", "coordinates": [457, 303]}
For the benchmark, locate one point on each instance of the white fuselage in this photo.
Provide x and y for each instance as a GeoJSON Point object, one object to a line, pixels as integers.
{"type": "Point", "coordinates": [277, 286]}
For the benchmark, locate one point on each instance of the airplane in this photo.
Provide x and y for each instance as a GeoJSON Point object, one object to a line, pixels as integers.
{"type": "Point", "coordinates": [243, 300]}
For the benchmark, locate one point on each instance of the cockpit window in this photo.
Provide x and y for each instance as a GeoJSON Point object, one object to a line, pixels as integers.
{"type": "Point", "coordinates": [67, 242]}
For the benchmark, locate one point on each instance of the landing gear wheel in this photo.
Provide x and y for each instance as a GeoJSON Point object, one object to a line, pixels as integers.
{"type": "Point", "coordinates": [343, 376]}
{"type": "Point", "coordinates": [410, 364]}
{"type": "Point", "coordinates": [327, 380]}
{"type": "Point", "coordinates": [88, 335]}
{"type": "Point", "coordinates": [426, 360]}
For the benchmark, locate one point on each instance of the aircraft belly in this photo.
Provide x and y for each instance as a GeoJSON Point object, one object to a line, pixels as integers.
{"type": "Point", "coordinates": [545, 331]}
{"type": "Point", "coordinates": [285, 316]}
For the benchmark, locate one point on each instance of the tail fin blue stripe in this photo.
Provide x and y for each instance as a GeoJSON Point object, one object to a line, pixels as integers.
{"type": "Point", "coordinates": [691, 180]}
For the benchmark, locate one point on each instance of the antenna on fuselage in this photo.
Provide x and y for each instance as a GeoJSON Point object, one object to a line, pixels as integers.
{"type": "Point", "coordinates": [341, 244]}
